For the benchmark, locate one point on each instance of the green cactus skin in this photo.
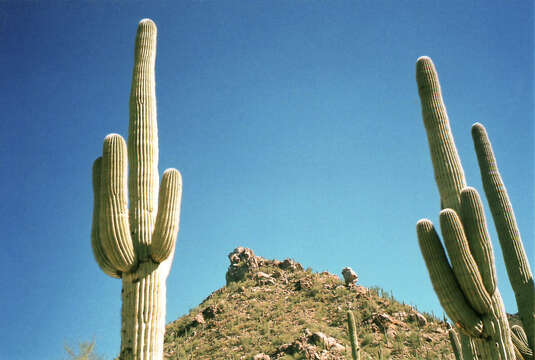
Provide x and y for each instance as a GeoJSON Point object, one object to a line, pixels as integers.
{"type": "Point", "coordinates": [444, 282]}
{"type": "Point", "coordinates": [466, 289]}
{"type": "Point", "coordinates": [137, 244]}
{"type": "Point", "coordinates": [449, 173]}
{"type": "Point", "coordinates": [468, 347]}
{"type": "Point", "coordinates": [355, 348]}
{"type": "Point", "coordinates": [516, 261]}
{"type": "Point", "coordinates": [520, 341]}
{"type": "Point", "coordinates": [455, 344]}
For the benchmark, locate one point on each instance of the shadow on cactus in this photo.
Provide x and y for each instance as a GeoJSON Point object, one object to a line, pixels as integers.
{"type": "Point", "coordinates": [137, 243]}
{"type": "Point", "coordinates": [466, 285]}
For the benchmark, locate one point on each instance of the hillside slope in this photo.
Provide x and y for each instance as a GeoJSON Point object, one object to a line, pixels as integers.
{"type": "Point", "coordinates": [274, 309]}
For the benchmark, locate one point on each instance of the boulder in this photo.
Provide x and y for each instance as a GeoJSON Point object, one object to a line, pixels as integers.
{"type": "Point", "coordinates": [263, 279]}
{"type": "Point", "coordinates": [198, 320]}
{"type": "Point", "coordinates": [261, 356]}
{"type": "Point", "coordinates": [417, 317]}
{"type": "Point", "coordinates": [350, 277]}
{"type": "Point", "coordinates": [291, 265]}
{"type": "Point", "coordinates": [326, 342]}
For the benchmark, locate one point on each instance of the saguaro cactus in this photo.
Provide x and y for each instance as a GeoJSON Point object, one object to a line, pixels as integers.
{"type": "Point", "coordinates": [137, 243]}
{"type": "Point", "coordinates": [353, 338]}
{"type": "Point", "coordinates": [467, 289]}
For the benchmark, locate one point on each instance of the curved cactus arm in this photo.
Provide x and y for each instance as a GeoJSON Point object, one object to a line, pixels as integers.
{"type": "Point", "coordinates": [444, 282]}
{"type": "Point", "coordinates": [464, 265]}
{"type": "Point", "coordinates": [455, 344]}
{"type": "Point", "coordinates": [475, 227]}
{"type": "Point", "coordinates": [353, 338]}
{"type": "Point", "coordinates": [113, 217]}
{"type": "Point", "coordinates": [449, 173]}
{"type": "Point", "coordinates": [518, 354]}
{"type": "Point", "coordinates": [516, 261]}
{"type": "Point", "coordinates": [519, 333]}
{"type": "Point", "coordinates": [168, 218]}
{"type": "Point", "coordinates": [96, 245]}
{"type": "Point", "coordinates": [143, 140]}
{"type": "Point", "coordinates": [520, 341]}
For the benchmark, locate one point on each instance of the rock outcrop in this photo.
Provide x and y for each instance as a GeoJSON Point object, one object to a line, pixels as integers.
{"type": "Point", "coordinates": [244, 263]}
{"type": "Point", "coordinates": [350, 277]}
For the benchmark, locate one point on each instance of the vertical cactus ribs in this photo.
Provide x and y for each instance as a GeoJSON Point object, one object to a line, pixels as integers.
{"type": "Point", "coordinates": [467, 288]}
{"type": "Point", "coordinates": [353, 338]}
{"type": "Point", "coordinates": [136, 244]}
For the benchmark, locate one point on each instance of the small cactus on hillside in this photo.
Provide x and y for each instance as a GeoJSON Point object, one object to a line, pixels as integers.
{"type": "Point", "coordinates": [467, 289]}
{"type": "Point", "coordinates": [137, 244]}
{"type": "Point", "coordinates": [353, 338]}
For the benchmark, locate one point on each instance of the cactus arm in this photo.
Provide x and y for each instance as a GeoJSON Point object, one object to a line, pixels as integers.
{"type": "Point", "coordinates": [518, 354]}
{"type": "Point", "coordinates": [355, 349]}
{"type": "Point", "coordinates": [448, 170]}
{"type": "Point", "coordinates": [168, 217]}
{"type": "Point", "coordinates": [463, 264]}
{"type": "Point", "coordinates": [516, 261]}
{"type": "Point", "coordinates": [444, 282]}
{"type": "Point", "coordinates": [455, 344]}
{"type": "Point", "coordinates": [520, 341]}
{"type": "Point", "coordinates": [475, 227]}
{"type": "Point", "coordinates": [143, 140]}
{"type": "Point", "coordinates": [96, 244]}
{"type": "Point", "coordinates": [519, 333]}
{"type": "Point", "coordinates": [113, 227]}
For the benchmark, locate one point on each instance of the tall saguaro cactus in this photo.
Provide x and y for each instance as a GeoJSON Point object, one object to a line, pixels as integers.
{"type": "Point", "coordinates": [137, 243]}
{"type": "Point", "coordinates": [467, 289]}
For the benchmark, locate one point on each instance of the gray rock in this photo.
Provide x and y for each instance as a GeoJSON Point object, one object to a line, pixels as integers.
{"type": "Point", "coordinates": [350, 277]}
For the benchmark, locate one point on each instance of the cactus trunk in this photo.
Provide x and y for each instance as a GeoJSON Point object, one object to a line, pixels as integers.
{"type": "Point", "coordinates": [143, 314]}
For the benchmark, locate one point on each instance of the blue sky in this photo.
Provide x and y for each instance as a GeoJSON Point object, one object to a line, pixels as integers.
{"type": "Point", "coordinates": [295, 123]}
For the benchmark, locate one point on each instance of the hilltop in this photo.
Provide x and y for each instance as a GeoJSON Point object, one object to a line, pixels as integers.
{"type": "Point", "coordinates": [273, 309]}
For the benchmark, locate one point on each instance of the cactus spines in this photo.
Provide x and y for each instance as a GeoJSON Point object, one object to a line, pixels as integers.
{"type": "Point", "coordinates": [137, 243]}
{"type": "Point", "coordinates": [353, 338]}
{"type": "Point", "coordinates": [516, 261]}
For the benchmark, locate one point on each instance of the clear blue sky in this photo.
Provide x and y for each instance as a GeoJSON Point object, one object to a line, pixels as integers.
{"type": "Point", "coordinates": [295, 123]}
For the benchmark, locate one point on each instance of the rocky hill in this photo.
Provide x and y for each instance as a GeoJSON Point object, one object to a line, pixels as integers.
{"type": "Point", "coordinates": [273, 309]}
